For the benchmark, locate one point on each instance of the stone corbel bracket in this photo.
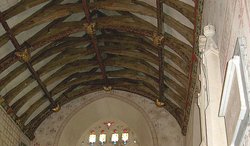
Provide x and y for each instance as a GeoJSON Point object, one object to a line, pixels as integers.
{"type": "Point", "coordinates": [206, 41]}
{"type": "Point", "coordinates": [209, 32]}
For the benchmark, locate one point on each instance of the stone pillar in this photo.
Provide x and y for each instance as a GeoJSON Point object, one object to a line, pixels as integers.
{"type": "Point", "coordinates": [213, 126]}
{"type": "Point", "coordinates": [202, 99]}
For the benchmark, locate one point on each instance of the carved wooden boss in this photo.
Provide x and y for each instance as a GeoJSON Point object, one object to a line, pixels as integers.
{"type": "Point", "coordinates": [132, 54]}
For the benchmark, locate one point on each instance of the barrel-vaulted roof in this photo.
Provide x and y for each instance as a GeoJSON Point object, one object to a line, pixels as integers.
{"type": "Point", "coordinates": [53, 51]}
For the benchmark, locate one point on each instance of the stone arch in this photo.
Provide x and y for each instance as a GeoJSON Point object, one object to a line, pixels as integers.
{"type": "Point", "coordinates": [102, 96]}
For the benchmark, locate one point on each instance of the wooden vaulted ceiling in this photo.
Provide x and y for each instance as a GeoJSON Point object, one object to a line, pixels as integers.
{"type": "Point", "coordinates": [125, 49]}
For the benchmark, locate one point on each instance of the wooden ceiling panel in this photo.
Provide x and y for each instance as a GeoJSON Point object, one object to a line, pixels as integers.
{"type": "Point", "coordinates": [129, 46]}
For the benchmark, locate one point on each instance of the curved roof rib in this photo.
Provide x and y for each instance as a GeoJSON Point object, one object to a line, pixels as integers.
{"type": "Point", "coordinates": [76, 48]}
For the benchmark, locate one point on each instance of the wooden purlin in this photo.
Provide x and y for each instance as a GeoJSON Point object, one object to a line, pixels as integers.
{"type": "Point", "coordinates": [18, 47]}
{"type": "Point", "coordinates": [94, 43]}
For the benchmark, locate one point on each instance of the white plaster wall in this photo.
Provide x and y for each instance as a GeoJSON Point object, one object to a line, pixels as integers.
{"type": "Point", "coordinates": [167, 131]}
{"type": "Point", "coordinates": [10, 134]}
{"type": "Point", "coordinates": [100, 108]}
{"type": "Point", "coordinates": [231, 19]}
{"type": "Point", "coordinates": [193, 137]}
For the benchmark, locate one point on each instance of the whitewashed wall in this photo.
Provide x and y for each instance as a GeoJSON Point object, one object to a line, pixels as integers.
{"type": "Point", "coordinates": [231, 19]}
{"type": "Point", "coordinates": [193, 137]}
{"type": "Point", "coordinates": [168, 132]}
{"type": "Point", "coordinates": [10, 134]}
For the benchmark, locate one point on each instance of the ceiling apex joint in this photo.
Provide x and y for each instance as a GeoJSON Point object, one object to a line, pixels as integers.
{"type": "Point", "coordinates": [157, 39]}
{"type": "Point", "coordinates": [90, 28]}
{"type": "Point", "coordinates": [158, 103]}
{"type": "Point", "coordinates": [56, 108]}
{"type": "Point", "coordinates": [24, 56]}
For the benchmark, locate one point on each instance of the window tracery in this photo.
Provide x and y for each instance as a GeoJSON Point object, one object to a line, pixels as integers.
{"type": "Point", "coordinates": [107, 133]}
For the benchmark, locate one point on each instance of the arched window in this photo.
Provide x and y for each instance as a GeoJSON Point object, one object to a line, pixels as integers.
{"type": "Point", "coordinates": [115, 133]}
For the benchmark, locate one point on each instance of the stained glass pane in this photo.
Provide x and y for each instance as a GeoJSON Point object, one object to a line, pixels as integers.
{"type": "Point", "coordinates": [102, 138]}
{"type": "Point", "coordinates": [124, 136]}
{"type": "Point", "coordinates": [92, 138]}
{"type": "Point", "coordinates": [115, 137]}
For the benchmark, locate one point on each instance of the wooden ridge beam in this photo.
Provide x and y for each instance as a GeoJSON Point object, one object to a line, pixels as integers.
{"type": "Point", "coordinates": [26, 62]}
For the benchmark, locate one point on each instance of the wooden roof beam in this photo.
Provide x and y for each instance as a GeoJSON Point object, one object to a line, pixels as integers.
{"type": "Point", "coordinates": [158, 41]}
{"type": "Point", "coordinates": [123, 85]}
{"type": "Point", "coordinates": [25, 57]}
{"type": "Point", "coordinates": [90, 30]}
{"type": "Point", "coordinates": [116, 23]}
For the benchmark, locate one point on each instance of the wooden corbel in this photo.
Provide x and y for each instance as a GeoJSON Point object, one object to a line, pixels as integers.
{"type": "Point", "coordinates": [107, 88]}
{"type": "Point", "coordinates": [24, 56]}
{"type": "Point", "coordinates": [157, 39]}
{"type": "Point", "coordinates": [90, 28]}
{"type": "Point", "coordinates": [158, 103]}
{"type": "Point", "coordinates": [56, 108]}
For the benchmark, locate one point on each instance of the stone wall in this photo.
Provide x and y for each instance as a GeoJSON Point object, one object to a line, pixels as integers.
{"type": "Point", "coordinates": [167, 130]}
{"type": "Point", "coordinates": [10, 134]}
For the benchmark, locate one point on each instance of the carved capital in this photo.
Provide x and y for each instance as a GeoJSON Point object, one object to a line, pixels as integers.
{"type": "Point", "coordinates": [90, 28]}
{"type": "Point", "coordinates": [202, 43]}
{"type": "Point", "coordinates": [158, 103]}
{"type": "Point", "coordinates": [158, 39]}
{"type": "Point", "coordinates": [24, 56]}
{"type": "Point", "coordinates": [209, 32]}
